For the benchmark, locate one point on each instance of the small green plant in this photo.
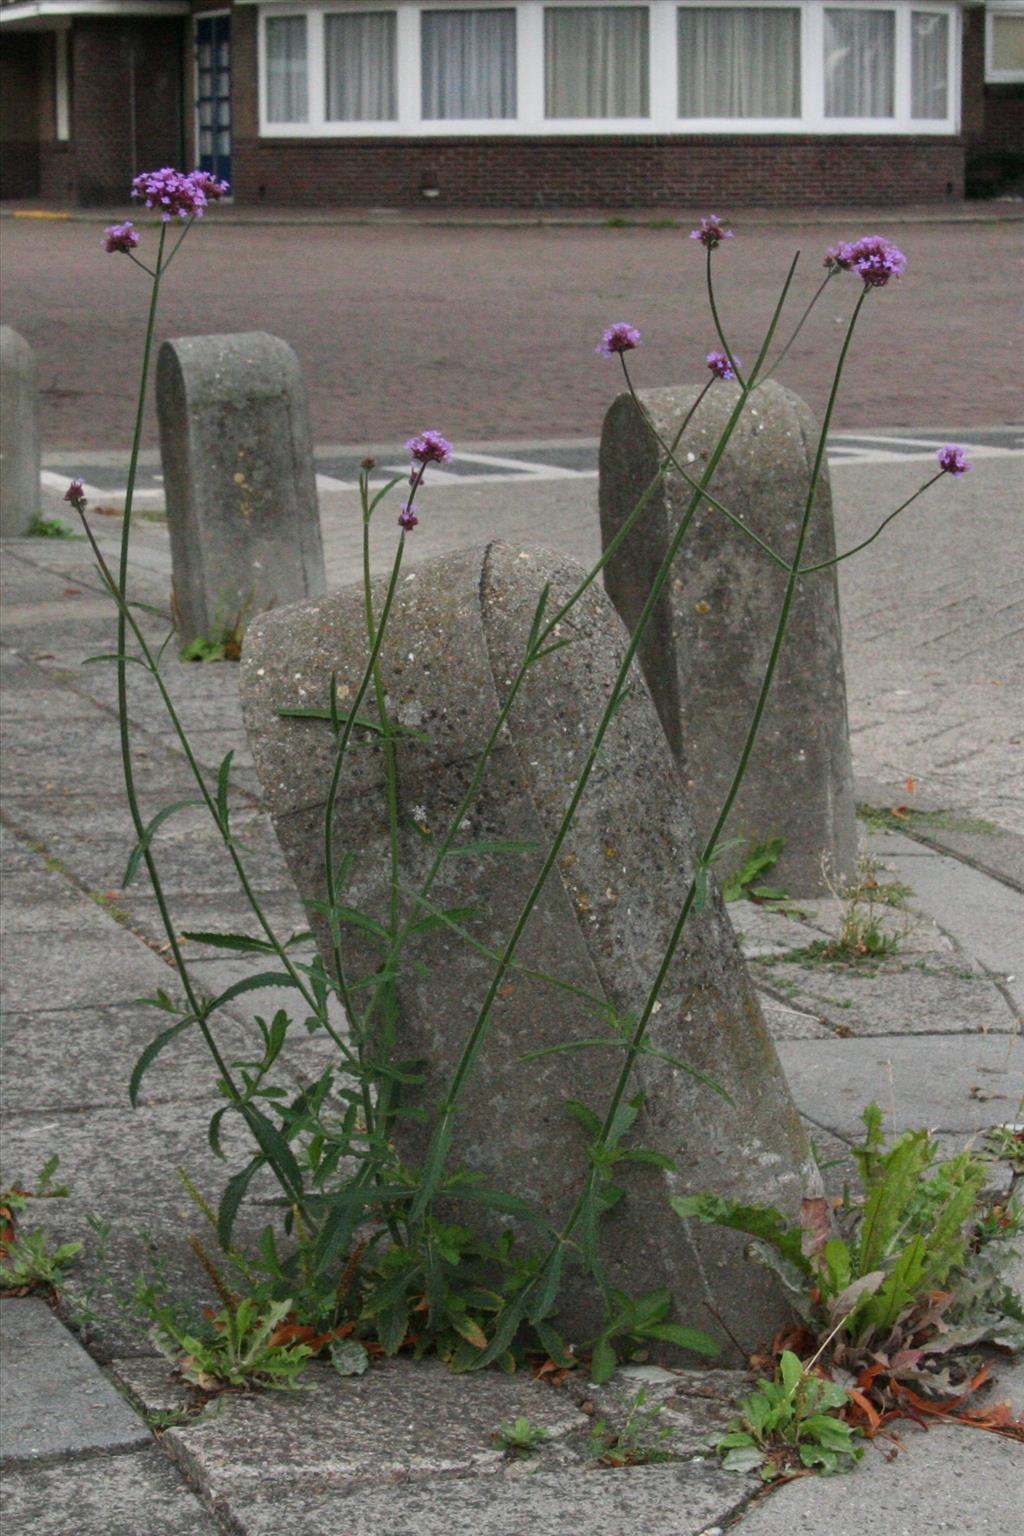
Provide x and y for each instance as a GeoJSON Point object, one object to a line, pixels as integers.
{"type": "Point", "coordinates": [789, 1423]}
{"type": "Point", "coordinates": [520, 1437]}
{"type": "Point", "coordinates": [640, 1438]}
{"type": "Point", "coordinates": [226, 645]}
{"type": "Point", "coordinates": [761, 858]}
{"type": "Point", "coordinates": [904, 818]}
{"type": "Point", "coordinates": [30, 1262]}
{"type": "Point", "coordinates": [896, 1284]}
{"type": "Point", "coordinates": [27, 1260]}
{"type": "Point", "coordinates": [49, 528]}
{"type": "Point", "coordinates": [239, 1346]}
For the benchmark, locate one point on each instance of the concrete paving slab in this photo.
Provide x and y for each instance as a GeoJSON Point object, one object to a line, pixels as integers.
{"type": "Point", "coordinates": [114, 966]}
{"type": "Point", "coordinates": [404, 1419]}
{"type": "Point", "coordinates": [82, 1058]}
{"type": "Point", "coordinates": [984, 917]}
{"type": "Point", "coordinates": [950, 1481]}
{"type": "Point", "coordinates": [990, 848]}
{"type": "Point", "coordinates": [683, 1500]}
{"type": "Point", "coordinates": [926, 998]}
{"type": "Point", "coordinates": [56, 1400]}
{"type": "Point", "coordinates": [923, 1081]}
{"type": "Point", "coordinates": [139, 1494]}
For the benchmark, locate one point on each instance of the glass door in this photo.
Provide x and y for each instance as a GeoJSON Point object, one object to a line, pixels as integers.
{"type": "Point", "coordinates": [213, 93]}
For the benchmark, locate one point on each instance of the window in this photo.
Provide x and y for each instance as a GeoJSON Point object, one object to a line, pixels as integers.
{"type": "Point", "coordinates": [596, 61]}
{"type": "Point", "coordinates": [287, 94]}
{"type": "Point", "coordinates": [468, 61]}
{"type": "Point", "coordinates": [359, 54]}
{"type": "Point", "coordinates": [929, 64]}
{"type": "Point", "coordinates": [1004, 43]}
{"type": "Point", "coordinates": [436, 68]}
{"type": "Point", "coordinates": [860, 63]}
{"type": "Point", "coordinates": [738, 61]}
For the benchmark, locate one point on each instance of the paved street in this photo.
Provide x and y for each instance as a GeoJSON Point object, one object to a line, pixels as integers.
{"type": "Point", "coordinates": [488, 332]}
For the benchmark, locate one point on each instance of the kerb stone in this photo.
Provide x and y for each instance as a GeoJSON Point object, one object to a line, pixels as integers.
{"type": "Point", "coordinates": [458, 630]}
{"type": "Point", "coordinates": [19, 434]}
{"type": "Point", "coordinates": [238, 472]}
{"type": "Point", "coordinates": [705, 652]}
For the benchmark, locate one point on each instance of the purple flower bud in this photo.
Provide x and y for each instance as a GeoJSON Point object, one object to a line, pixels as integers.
{"type": "Point", "coordinates": [368, 463]}
{"type": "Point", "coordinates": [172, 193]}
{"type": "Point", "coordinates": [212, 189]}
{"type": "Point", "coordinates": [619, 337]}
{"type": "Point", "coordinates": [710, 232]}
{"type": "Point", "coordinates": [874, 258]}
{"type": "Point", "coordinates": [837, 258]}
{"type": "Point", "coordinates": [75, 494]}
{"type": "Point", "coordinates": [121, 237]}
{"type": "Point", "coordinates": [407, 518]}
{"type": "Point", "coordinates": [952, 460]}
{"type": "Point", "coordinates": [720, 365]}
{"type": "Point", "coordinates": [430, 448]}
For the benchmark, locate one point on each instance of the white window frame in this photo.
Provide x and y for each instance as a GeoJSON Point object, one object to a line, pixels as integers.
{"type": "Point", "coordinates": [663, 117]}
{"type": "Point", "coordinates": [62, 84]}
{"type": "Point", "coordinates": [994, 76]}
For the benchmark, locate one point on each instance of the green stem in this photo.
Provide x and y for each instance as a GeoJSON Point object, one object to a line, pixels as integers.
{"type": "Point", "coordinates": [154, 667]}
{"type": "Point", "coordinates": [439, 1142]}
{"type": "Point", "coordinates": [640, 1028]}
{"type": "Point", "coordinates": [824, 564]}
{"type": "Point", "coordinates": [829, 275]}
{"type": "Point", "coordinates": [718, 325]}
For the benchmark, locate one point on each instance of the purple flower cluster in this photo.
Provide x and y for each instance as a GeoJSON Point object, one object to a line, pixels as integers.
{"type": "Point", "coordinates": [429, 448]}
{"type": "Point", "coordinates": [75, 493]}
{"type": "Point", "coordinates": [710, 232]}
{"type": "Point", "coordinates": [720, 365]}
{"type": "Point", "coordinates": [618, 338]}
{"type": "Point", "coordinates": [121, 237]}
{"type": "Point", "coordinates": [176, 195]}
{"type": "Point", "coordinates": [407, 518]}
{"type": "Point", "coordinates": [872, 257]}
{"type": "Point", "coordinates": [952, 460]}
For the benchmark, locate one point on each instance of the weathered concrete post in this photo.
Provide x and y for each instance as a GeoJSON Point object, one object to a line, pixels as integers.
{"type": "Point", "coordinates": [238, 472]}
{"type": "Point", "coordinates": [705, 654]}
{"type": "Point", "coordinates": [458, 631]}
{"type": "Point", "coordinates": [19, 434]}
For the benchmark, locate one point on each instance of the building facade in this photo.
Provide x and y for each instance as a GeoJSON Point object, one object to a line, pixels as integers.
{"type": "Point", "coordinates": [523, 103]}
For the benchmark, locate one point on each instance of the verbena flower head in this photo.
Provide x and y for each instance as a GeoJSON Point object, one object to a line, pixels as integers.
{"type": "Point", "coordinates": [619, 337]}
{"type": "Point", "coordinates": [720, 365]}
{"type": "Point", "coordinates": [430, 448]}
{"type": "Point", "coordinates": [710, 232]}
{"type": "Point", "coordinates": [952, 460]}
{"type": "Point", "coordinates": [872, 257]}
{"type": "Point", "coordinates": [171, 193]}
{"type": "Point", "coordinates": [837, 257]}
{"type": "Point", "coordinates": [121, 237]}
{"type": "Point", "coordinates": [407, 518]}
{"type": "Point", "coordinates": [212, 189]}
{"type": "Point", "coordinates": [75, 493]}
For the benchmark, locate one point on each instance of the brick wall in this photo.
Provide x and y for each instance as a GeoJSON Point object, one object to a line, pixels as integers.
{"type": "Point", "coordinates": [19, 114]}
{"type": "Point", "coordinates": [606, 173]}
{"type": "Point", "coordinates": [993, 115]}
{"type": "Point", "coordinates": [116, 130]}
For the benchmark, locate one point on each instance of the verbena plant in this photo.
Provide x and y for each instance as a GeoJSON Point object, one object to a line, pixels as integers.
{"type": "Point", "coordinates": [362, 1251]}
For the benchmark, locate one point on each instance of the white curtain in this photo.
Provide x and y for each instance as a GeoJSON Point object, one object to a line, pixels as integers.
{"type": "Point", "coordinates": [359, 47]}
{"type": "Point", "coordinates": [859, 63]}
{"type": "Point", "coordinates": [596, 61]}
{"type": "Point", "coordinates": [287, 97]}
{"type": "Point", "coordinates": [739, 62]}
{"type": "Point", "coordinates": [929, 58]}
{"type": "Point", "coordinates": [469, 63]}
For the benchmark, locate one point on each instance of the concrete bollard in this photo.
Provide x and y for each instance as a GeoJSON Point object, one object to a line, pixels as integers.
{"type": "Point", "coordinates": [238, 472]}
{"type": "Point", "coordinates": [458, 630]}
{"type": "Point", "coordinates": [705, 652]}
{"type": "Point", "coordinates": [19, 435]}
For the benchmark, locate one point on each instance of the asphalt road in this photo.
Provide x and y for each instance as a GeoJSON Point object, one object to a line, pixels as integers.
{"type": "Point", "coordinates": [489, 332]}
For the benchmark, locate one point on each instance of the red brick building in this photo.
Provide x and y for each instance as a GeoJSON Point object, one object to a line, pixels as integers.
{"type": "Point", "coordinates": [527, 103]}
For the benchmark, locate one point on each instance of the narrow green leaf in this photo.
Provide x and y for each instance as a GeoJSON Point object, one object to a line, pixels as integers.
{"type": "Point", "coordinates": [139, 851]}
{"type": "Point", "coordinates": [223, 790]}
{"type": "Point", "coordinates": [604, 1362]}
{"type": "Point", "coordinates": [152, 1051]}
{"type": "Point", "coordinates": [231, 1199]}
{"type": "Point", "coordinates": [240, 942]}
{"type": "Point", "coordinates": [686, 1338]}
{"type": "Point", "coordinates": [253, 984]}
{"type": "Point", "coordinates": [491, 845]}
